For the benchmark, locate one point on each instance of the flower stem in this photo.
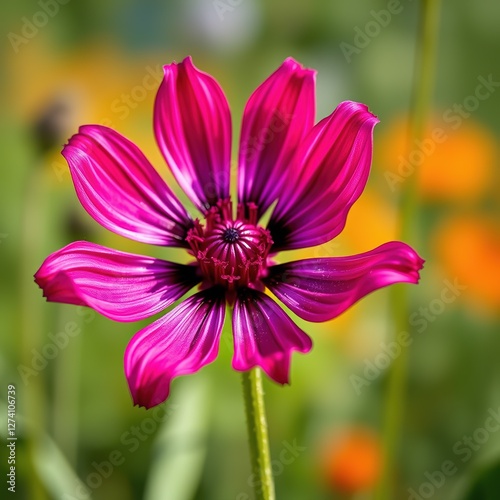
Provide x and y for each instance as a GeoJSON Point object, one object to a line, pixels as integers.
{"type": "Point", "coordinates": [421, 102]}
{"type": "Point", "coordinates": [423, 84]}
{"type": "Point", "coordinates": [260, 456]}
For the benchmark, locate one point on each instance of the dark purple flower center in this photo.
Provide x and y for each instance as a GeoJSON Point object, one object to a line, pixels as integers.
{"type": "Point", "coordinates": [231, 235]}
{"type": "Point", "coordinates": [230, 252]}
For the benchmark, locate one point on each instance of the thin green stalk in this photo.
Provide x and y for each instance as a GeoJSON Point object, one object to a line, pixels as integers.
{"type": "Point", "coordinates": [260, 456]}
{"type": "Point", "coordinates": [66, 412]}
{"type": "Point", "coordinates": [31, 319]}
{"type": "Point", "coordinates": [425, 63]}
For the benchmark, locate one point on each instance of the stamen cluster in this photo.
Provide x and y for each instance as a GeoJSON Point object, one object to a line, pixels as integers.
{"type": "Point", "coordinates": [230, 252]}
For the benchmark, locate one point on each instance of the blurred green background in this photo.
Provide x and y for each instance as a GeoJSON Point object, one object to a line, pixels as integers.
{"type": "Point", "coordinates": [74, 62]}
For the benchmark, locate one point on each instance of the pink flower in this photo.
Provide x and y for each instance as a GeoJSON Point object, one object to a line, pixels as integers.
{"type": "Point", "coordinates": [314, 173]}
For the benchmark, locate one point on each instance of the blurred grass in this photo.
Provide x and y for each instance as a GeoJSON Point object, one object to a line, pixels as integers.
{"type": "Point", "coordinates": [92, 53]}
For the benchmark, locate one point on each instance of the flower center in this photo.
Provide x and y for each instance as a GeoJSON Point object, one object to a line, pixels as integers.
{"type": "Point", "coordinates": [231, 253]}
{"type": "Point", "coordinates": [231, 235]}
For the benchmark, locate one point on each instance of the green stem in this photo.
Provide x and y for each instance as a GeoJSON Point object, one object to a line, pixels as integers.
{"type": "Point", "coordinates": [260, 456]}
{"type": "Point", "coordinates": [425, 63]}
{"type": "Point", "coordinates": [31, 321]}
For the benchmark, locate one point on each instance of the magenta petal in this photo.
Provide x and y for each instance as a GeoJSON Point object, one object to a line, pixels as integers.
{"type": "Point", "coordinates": [120, 189]}
{"type": "Point", "coordinates": [321, 289]}
{"type": "Point", "coordinates": [265, 336]}
{"type": "Point", "coordinates": [121, 286]}
{"type": "Point", "coordinates": [334, 162]}
{"type": "Point", "coordinates": [276, 118]}
{"type": "Point", "coordinates": [192, 125]}
{"type": "Point", "coordinates": [180, 343]}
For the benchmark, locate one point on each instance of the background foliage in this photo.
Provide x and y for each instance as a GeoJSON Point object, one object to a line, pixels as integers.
{"type": "Point", "coordinates": [74, 62]}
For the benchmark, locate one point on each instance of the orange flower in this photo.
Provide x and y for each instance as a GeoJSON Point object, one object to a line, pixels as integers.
{"type": "Point", "coordinates": [451, 163]}
{"type": "Point", "coordinates": [468, 248]}
{"type": "Point", "coordinates": [352, 460]}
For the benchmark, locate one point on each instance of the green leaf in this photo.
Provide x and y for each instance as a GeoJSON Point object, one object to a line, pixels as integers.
{"type": "Point", "coordinates": [56, 473]}
{"type": "Point", "coordinates": [180, 449]}
{"type": "Point", "coordinates": [487, 485]}
{"type": "Point", "coordinates": [49, 462]}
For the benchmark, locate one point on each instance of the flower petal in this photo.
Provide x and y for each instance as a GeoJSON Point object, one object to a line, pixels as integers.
{"type": "Point", "coordinates": [321, 289]}
{"type": "Point", "coordinates": [265, 336]}
{"type": "Point", "coordinates": [180, 343]}
{"type": "Point", "coordinates": [333, 163]}
{"type": "Point", "coordinates": [193, 129]}
{"type": "Point", "coordinates": [121, 286]}
{"type": "Point", "coordinates": [276, 118]}
{"type": "Point", "coordinates": [120, 189]}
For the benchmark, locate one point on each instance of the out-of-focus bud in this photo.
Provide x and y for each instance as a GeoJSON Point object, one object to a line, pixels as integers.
{"type": "Point", "coordinates": [76, 227]}
{"type": "Point", "coordinates": [53, 124]}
